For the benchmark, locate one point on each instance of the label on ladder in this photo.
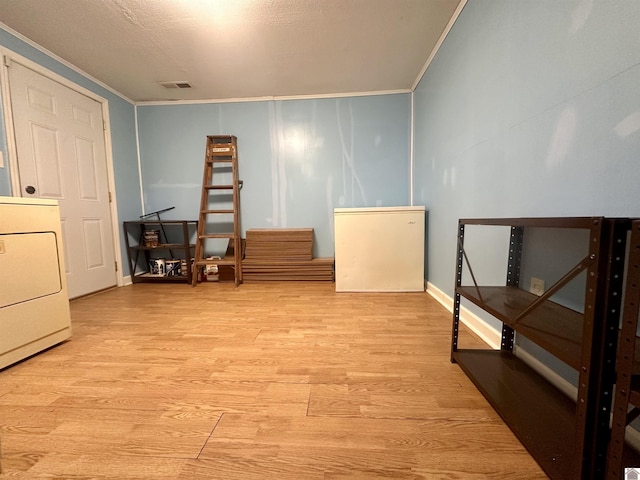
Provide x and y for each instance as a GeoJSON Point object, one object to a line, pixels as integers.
{"type": "Point", "coordinates": [218, 149]}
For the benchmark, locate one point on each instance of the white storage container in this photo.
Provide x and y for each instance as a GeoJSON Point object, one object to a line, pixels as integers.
{"type": "Point", "coordinates": [379, 249]}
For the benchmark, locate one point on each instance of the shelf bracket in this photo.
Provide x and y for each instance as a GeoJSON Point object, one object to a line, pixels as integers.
{"type": "Point", "coordinates": [473, 277]}
{"type": "Point", "coordinates": [585, 263]}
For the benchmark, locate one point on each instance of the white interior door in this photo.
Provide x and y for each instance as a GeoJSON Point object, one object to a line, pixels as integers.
{"type": "Point", "coordinates": [61, 155]}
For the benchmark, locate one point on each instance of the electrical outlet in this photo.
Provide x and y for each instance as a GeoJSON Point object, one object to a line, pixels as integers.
{"type": "Point", "coordinates": [537, 286]}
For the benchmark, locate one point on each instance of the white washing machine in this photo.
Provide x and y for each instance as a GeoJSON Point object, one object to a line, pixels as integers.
{"type": "Point", "coordinates": [34, 303]}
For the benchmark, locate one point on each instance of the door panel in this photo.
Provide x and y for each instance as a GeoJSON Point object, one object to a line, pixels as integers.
{"type": "Point", "coordinates": [61, 152]}
{"type": "Point", "coordinates": [87, 178]}
{"type": "Point", "coordinates": [83, 116]}
{"type": "Point", "coordinates": [93, 232]}
{"type": "Point", "coordinates": [41, 100]}
{"type": "Point", "coordinates": [46, 167]}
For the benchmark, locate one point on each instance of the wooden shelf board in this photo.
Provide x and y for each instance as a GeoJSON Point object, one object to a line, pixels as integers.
{"type": "Point", "coordinates": [158, 222]}
{"type": "Point", "coordinates": [555, 328]}
{"type": "Point", "coordinates": [216, 261]}
{"type": "Point", "coordinates": [161, 246]}
{"type": "Point", "coordinates": [541, 416]}
{"type": "Point", "coordinates": [150, 277]}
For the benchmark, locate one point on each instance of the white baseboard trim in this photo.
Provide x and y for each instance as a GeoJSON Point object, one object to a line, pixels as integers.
{"type": "Point", "coordinates": [493, 338]}
{"type": "Point", "coordinates": [552, 377]}
{"type": "Point", "coordinates": [488, 334]}
{"type": "Point", "coordinates": [126, 280]}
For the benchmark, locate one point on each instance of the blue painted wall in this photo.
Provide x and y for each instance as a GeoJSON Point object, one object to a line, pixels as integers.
{"type": "Point", "coordinates": [122, 117]}
{"type": "Point", "coordinates": [530, 108]}
{"type": "Point", "coordinates": [298, 158]}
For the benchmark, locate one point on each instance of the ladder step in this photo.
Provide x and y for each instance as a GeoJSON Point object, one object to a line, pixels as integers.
{"type": "Point", "coordinates": [223, 187]}
{"type": "Point", "coordinates": [220, 160]}
{"type": "Point", "coordinates": [209, 212]}
{"type": "Point", "coordinates": [218, 261]}
{"type": "Point", "coordinates": [216, 235]}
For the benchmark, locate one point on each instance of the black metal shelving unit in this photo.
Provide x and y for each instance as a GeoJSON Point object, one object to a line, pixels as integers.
{"type": "Point", "coordinates": [173, 243]}
{"type": "Point", "coordinates": [569, 439]}
{"type": "Point", "coordinates": [626, 402]}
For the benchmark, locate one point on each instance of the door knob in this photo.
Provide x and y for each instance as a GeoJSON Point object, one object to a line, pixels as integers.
{"type": "Point", "coordinates": [30, 189]}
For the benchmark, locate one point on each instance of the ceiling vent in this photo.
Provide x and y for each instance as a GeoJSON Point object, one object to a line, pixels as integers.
{"type": "Point", "coordinates": [176, 84]}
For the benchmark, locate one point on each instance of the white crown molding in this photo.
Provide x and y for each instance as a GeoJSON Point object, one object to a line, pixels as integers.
{"type": "Point", "coordinates": [272, 98]}
{"type": "Point", "coordinates": [439, 43]}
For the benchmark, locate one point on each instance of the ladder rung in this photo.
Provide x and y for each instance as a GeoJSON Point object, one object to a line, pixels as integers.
{"type": "Point", "coordinates": [209, 212]}
{"type": "Point", "coordinates": [224, 187]}
{"type": "Point", "coordinates": [219, 160]}
{"type": "Point", "coordinates": [216, 235]}
{"type": "Point", "coordinates": [200, 263]}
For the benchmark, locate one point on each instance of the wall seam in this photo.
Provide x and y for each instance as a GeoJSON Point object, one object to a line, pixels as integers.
{"type": "Point", "coordinates": [135, 115]}
{"type": "Point", "coordinates": [411, 154]}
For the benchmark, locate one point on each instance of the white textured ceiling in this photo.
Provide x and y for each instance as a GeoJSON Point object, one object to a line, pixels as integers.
{"type": "Point", "coordinates": [237, 48]}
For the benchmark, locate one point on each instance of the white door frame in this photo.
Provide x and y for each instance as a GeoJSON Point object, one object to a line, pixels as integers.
{"type": "Point", "coordinates": [12, 149]}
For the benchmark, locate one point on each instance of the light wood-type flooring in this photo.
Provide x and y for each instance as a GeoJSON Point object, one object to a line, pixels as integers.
{"type": "Point", "coordinates": [285, 381]}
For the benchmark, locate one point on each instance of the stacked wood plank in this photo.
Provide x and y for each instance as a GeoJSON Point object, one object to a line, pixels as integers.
{"type": "Point", "coordinates": [279, 244]}
{"type": "Point", "coordinates": [283, 254]}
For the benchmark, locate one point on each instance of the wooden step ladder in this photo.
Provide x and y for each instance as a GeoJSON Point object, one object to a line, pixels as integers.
{"type": "Point", "coordinates": [223, 222]}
